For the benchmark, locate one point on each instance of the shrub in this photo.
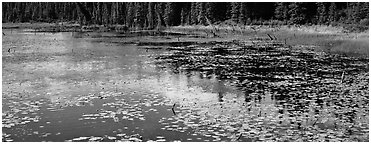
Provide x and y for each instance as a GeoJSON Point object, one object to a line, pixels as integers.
{"type": "Point", "coordinates": [355, 27]}
{"type": "Point", "coordinates": [364, 22]}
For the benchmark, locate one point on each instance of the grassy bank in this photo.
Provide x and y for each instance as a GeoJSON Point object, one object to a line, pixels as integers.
{"type": "Point", "coordinates": [333, 40]}
{"type": "Point", "coordinates": [329, 39]}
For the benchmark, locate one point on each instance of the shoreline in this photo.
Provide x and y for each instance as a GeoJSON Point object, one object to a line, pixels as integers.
{"type": "Point", "coordinates": [326, 38]}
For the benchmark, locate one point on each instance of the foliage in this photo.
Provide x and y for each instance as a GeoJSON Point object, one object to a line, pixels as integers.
{"type": "Point", "coordinates": [321, 13]}
{"type": "Point", "coordinates": [332, 12]}
{"type": "Point", "coordinates": [296, 13]}
{"type": "Point", "coordinates": [144, 15]}
{"type": "Point", "coordinates": [234, 11]}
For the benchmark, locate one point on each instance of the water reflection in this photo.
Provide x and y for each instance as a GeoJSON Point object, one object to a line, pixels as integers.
{"type": "Point", "coordinates": [296, 90]}
{"type": "Point", "coordinates": [76, 69]}
{"type": "Point", "coordinates": [114, 87]}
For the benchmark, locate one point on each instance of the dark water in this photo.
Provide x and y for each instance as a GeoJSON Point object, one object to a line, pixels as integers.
{"type": "Point", "coordinates": [59, 88]}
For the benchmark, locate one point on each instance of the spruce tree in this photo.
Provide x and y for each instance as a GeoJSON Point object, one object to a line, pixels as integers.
{"type": "Point", "coordinates": [209, 11]}
{"type": "Point", "coordinates": [168, 17]}
{"type": "Point", "coordinates": [281, 11]}
{"type": "Point", "coordinates": [296, 13]}
{"type": "Point", "coordinates": [183, 17]}
{"type": "Point", "coordinates": [139, 18]}
{"type": "Point", "coordinates": [356, 13]}
{"type": "Point", "coordinates": [332, 15]}
{"type": "Point", "coordinates": [130, 14]}
{"type": "Point", "coordinates": [194, 13]}
{"type": "Point", "coordinates": [158, 10]}
{"type": "Point", "coordinates": [150, 15]}
{"type": "Point", "coordinates": [105, 15]}
{"type": "Point", "coordinates": [201, 13]}
{"type": "Point", "coordinates": [242, 13]}
{"type": "Point", "coordinates": [321, 13]}
{"type": "Point", "coordinates": [234, 11]}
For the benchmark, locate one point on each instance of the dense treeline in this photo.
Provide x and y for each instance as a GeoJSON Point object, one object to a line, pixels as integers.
{"type": "Point", "coordinates": [153, 14]}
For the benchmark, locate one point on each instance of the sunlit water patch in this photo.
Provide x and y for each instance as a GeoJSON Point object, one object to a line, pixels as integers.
{"type": "Point", "coordinates": [74, 90]}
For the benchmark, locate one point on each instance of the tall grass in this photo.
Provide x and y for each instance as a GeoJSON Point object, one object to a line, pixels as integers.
{"type": "Point", "coordinates": [340, 43]}
{"type": "Point", "coordinates": [327, 38]}
{"type": "Point", "coordinates": [350, 47]}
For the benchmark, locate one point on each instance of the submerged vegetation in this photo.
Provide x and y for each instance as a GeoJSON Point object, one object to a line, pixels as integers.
{"type": "Point", "coordinates": [318, 96]}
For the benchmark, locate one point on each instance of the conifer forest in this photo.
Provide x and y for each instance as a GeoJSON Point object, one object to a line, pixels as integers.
{"type": "Point", "coordinates": [152, 14]}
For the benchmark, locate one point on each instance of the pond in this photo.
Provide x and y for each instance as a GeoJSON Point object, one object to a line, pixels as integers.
{"type": "Point", "coordinates": [61, 87]}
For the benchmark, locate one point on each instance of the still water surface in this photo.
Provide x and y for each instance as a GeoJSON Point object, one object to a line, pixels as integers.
{"type": "Point", "coordinates": [57, 87]}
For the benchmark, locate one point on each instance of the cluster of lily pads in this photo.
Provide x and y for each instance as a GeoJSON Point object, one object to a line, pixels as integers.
{"type": "Point", "coordinates": [117, 108]}
{"type": "Point", "coordinates": [122, 109]}
{"type": "Point", "coordinates": [106, 138]}
{"type": "Point", "coordinates": [20, 112]}
{"type": "Point", "coordinates": [291, 93]}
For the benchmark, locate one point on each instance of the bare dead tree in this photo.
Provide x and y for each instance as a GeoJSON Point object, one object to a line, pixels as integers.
{"type": "Point", "coordinates": [173, 109]}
